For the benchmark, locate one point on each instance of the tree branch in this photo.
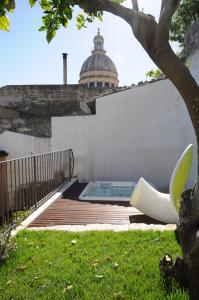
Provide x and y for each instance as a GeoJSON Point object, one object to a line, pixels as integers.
{"type": "Point", "coordinates": [163, 5]}
{"type": "Point", "coordinates": [135, 5]}
{"type": "Point", "coordinates": [169, 7]}
{"type": "Point", "coordinates": [106, 5]}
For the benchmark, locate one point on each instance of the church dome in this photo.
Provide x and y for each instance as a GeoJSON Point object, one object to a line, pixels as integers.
{"type": "Point", "coordinates": [99, 62]}
{"type": "Point", "coordinates": [98, 70]}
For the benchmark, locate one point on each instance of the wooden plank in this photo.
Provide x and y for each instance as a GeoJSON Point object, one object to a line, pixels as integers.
{"type": "Point", "coordinates": [70, 211]}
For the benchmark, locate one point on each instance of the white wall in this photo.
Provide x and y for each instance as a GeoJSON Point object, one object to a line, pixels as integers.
{"type": "Point", "coordinates": [138, 132]}
{"type": "Point", "coordinates": [20, 145]}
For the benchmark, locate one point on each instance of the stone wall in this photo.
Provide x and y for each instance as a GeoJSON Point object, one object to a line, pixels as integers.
{"type": "Point", "coordinates": [28, 108]}
{"type": "Point", "coordinates": [191, 50]}
{"type": "Point", "coordinates": [43, 93]}
{"type": "Point", "coordinates": [191, 40]}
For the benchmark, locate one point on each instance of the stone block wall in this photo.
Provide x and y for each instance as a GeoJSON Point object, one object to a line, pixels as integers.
{"type": "Point", "coordinates": [191, 40]}
{"type": "Point", "coordinates": [44, 93]}
{"type": "Point", "coordinates": [28, 108]}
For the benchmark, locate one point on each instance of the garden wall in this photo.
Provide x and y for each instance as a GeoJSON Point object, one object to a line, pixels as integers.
{"type": "Point", "coordinates": [141, 131]}
{"type": "Point", "coordinates": [20, 145]}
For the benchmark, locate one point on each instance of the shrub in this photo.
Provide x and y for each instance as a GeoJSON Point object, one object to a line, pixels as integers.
{"type": "Point", "coordinates": [6, 244]}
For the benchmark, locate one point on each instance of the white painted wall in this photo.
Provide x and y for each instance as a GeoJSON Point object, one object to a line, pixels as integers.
{"type": "Point", "coordinates": [138, 132]}
{"type": "Point", "coordinates": [20, 145]}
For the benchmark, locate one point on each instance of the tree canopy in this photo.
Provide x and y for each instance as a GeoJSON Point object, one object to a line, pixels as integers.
{"type": "Point", "coordinates": [58, 13]}
{"type": "Point", "coordinates": [186, 15]}
{"type": "Point", "coordinates": [154, 74]}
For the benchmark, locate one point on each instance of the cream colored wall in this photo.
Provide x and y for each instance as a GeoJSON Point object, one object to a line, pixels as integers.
{"type": "Point", "coordinates": [138, 132]}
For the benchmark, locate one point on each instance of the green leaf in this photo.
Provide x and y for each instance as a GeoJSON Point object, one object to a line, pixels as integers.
{"type": "Point", "coordinates": [42, 28]}
{"type": "Point", "coordinates": [68, 12]}
{"type": "Point", "coordinates": [32, 2]}
{"type": "Point", "coordinates": [64, 21]}
{"type": "Point", "coordinates": [50, 35]}
{"type": "Point", "coordinates": [45, 4]}
{"type": "Point", "coordinates": [10, 5]}
{"type": "Point", "coordinates": [100, 18]}
{"type": "Point", "coordinates": [4, 23]}
{"type": "Point", "coordinates": [21, 268]}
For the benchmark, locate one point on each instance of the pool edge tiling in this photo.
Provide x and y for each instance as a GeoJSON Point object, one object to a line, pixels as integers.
{"type": "Point", "coordinates": [108, 191]}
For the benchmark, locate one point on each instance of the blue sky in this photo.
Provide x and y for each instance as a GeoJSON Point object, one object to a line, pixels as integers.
{"type": "Point", "coordinates": [27, 58]}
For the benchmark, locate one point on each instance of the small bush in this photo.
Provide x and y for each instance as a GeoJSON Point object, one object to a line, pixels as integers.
{"type": "Point", "coordinates": [19, 216]}
{"type": "Point", "coordinates": [6, 244]}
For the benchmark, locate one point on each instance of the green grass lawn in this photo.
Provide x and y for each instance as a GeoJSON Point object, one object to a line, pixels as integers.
{"type": "Point", "coordinates": [92, 265]}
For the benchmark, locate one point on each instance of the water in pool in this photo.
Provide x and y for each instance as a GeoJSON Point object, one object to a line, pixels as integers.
{"type": "Point", "coordinates": [108, 190]}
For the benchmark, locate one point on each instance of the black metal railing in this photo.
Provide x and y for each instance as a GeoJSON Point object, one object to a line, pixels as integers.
{"type": "Point", "coordinates": [27, 182]}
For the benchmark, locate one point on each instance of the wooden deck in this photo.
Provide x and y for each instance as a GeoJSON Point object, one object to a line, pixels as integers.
{"type": "Point", "coordinates": [70, 211]}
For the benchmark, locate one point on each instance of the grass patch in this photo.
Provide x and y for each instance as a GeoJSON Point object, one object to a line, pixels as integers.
{"type": "Point", "coordinates": [85, 266]}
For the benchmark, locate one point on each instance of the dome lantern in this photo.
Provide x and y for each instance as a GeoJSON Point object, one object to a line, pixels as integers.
{"type": "Point", "coordinates": [98, 70]}
{"type": "Point", "coordinates": [98, 43]}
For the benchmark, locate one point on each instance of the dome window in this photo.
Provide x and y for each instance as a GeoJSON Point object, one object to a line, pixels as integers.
{"type": "Point", "coordinates": [92, 84]}
{"type": "Point", "coordinates": [99, 84]}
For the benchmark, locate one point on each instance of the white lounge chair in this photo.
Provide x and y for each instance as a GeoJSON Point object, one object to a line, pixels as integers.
{"type": "Point", "coordinates": [160, 206]}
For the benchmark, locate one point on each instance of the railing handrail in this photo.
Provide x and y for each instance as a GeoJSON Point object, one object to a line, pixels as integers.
{"type": "Point", "coordinates": [36, 155]}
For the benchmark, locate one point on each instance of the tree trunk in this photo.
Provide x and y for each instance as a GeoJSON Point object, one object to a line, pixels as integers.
{"type": "Point", "coordinates": [185, 270]}
{"type": "Point", "coordinates": [188, 230]}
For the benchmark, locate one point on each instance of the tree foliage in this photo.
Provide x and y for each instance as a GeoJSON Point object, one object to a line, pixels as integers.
{"type": "Point", "coordinates": [6, 6]}
{"type": "Point", "coordinates": [186, 15]}
{"type": "Point", "coordinates": [56, 13]}
{"type": "Point", "coordinates": [154, 74]}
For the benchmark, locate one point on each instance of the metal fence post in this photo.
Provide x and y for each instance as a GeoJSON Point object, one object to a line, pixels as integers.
{"type": "Point", "coordinates": [35, 180]}
{"type": "Point", "coordinates": [71, 163]}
